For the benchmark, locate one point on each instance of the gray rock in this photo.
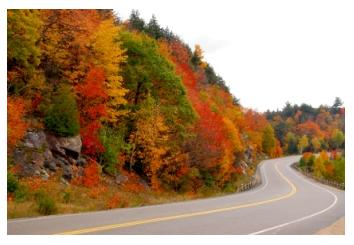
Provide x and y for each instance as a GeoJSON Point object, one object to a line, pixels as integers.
{"type": "Point", "coordinates": [64, 146]}
{"type": "Point", "coordinates": [51, 165]}
{"type": "Point", "coordinates": [67, 172]}
{"type": "Point", "coordinates": [28, 170]}
{"type": "Point", "coordinates": [81, 161]}
{"type": "Point", "coordinates": [35, 139]}
{"type": "Point", "coordinates": [37, 158]}
{"type": "Point", "coordinates": [44, 174]}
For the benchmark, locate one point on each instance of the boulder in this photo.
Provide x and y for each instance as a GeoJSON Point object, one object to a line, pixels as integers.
{"type": "Point", "coordinates": [81, 161]}
{"type": "Point", "coordinates": [35, 139]}
{"type": "Point", "coordinates": [41, 152]}
{"type": "Point", "coordinates": [67, 172]}
{"type": "Point", "coordinates": [65, 146]}
{"type": "Point", "coordinates": [51, 165]}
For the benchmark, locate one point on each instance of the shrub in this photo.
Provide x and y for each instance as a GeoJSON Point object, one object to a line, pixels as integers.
{"type": "Point", "coordinates": [113, 142]}
{"type": "Point", "coordinates": [91, 176]}
{"type": "Point", "coordinates": [12, 183]}
{"type": "Point", "coordinates": [307, 161]}
{"type": "Point", "coordinates": [61, 117]}
{"type": "Point", "coordinates": [66, 197]}
{"type": "Point", "coordinates": [21, 193]}
{"type": "Point", "coordinates": [46, 205]}
{"type": "Point", "coordinates": [13, 186]}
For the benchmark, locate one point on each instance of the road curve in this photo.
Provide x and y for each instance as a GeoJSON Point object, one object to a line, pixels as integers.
{"type": "Point", "coordinates": [286, 203]}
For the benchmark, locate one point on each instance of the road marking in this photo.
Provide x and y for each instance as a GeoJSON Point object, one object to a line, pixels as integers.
{"type": "Point", "coordinates": [305, 217]}
{"type": "Point", "coordinates": [187, 215]}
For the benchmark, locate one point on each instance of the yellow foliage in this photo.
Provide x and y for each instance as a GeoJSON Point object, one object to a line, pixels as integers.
{"type": "Point", "coordinates": [109, 55]}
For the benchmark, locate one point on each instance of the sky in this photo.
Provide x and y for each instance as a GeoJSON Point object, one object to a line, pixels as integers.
{"type": "Point", "coordinates": [268, 52]}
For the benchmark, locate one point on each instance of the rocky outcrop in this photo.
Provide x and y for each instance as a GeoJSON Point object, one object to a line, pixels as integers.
{"type": "Point", "coordinates": [42, 153]}
{"type": "Point", "coordinates": [65, 146]}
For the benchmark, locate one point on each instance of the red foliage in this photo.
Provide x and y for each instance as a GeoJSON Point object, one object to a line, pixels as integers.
{"type": "Point", "coordinates": [36, 100]}
{"type": "Point", "coordinates": [16, 126]}
{"type": "Point", "coordinates": [93, 87]}
{"type": "Point", "coordinates": [90, 141]}
{"type": "Point", "coordinates": [91, 176]}
{"type": "Point", "coordinates": [92, 104]}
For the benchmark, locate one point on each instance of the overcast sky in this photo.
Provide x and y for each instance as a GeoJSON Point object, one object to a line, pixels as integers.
{"type": "Point", "coordinates": [268, 52]}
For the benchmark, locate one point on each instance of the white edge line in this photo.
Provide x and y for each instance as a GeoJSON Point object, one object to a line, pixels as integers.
{"type": "Point", "coordinates": [305, 217]}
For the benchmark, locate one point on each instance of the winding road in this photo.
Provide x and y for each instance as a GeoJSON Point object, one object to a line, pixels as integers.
{"type": "Point", "coordinates": [286, 203]}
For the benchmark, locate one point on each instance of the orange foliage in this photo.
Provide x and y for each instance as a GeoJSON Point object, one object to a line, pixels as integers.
{"type": "Point", "coordinates": [277, 151]}
{"type": "Point", "coordinates": [310, 129]}
{"type": "Point", "coordinates": [16, 126]}
{"type": "Point", "coordinates": [330, 168]}
{"type": "Point", "coordinates": [114, 201]}
{"type": "Point", "coordinates": [96, 191]}
{"type": "Point", "coordinates": [34, 183]}
{"type": "Point", "coordinates": [133, 184]}
{"type": "Point", "coordinates": [91, 176]}
{"type": "Point", "coordinates": [306, 156]}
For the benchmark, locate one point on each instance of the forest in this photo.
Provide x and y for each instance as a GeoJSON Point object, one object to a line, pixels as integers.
{"type": "Point", "coordinates": [136, 116]}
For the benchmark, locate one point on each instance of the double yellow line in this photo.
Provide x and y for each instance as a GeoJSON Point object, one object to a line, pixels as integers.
{"type": "Point", "coordinates": [186, 215]}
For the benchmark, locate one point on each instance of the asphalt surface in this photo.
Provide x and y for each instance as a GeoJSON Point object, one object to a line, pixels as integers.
{"type": "Point", "coordinates": [286, 203]}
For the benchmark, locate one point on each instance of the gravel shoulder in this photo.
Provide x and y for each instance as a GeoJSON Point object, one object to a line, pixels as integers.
{"type": "Point", "coordinates": [337, 228]}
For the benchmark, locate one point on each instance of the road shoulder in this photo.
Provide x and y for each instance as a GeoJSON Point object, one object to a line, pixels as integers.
{"type": "Point", "coordinates": [337, 228]}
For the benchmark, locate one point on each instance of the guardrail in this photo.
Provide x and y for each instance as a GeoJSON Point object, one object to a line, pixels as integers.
{"type": "Point", "coordinates": [335, 184]}
{"type": "Point", "coordinates": [256, 181]}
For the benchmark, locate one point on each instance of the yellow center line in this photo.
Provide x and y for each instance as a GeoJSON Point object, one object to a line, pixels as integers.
{"type": "Point", "coordinates": [186, 215]}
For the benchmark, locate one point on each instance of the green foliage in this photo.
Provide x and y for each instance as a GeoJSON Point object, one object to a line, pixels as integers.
{"type": "Point", "coordinates": [230, 187]}
{"type": "Point", "coordinates": [148, 73]}
{"type": "Point", "coordinates": [291, 143]}
{"type": "Point", "coordinates": [208, 179]}
{"type": "Point", "coordinates": [66, 196]}
{"type": "Point", "coordinates": [339, 167]}
{"type": "Point", "coordinates": [46, 205]}
{"type": "Point", "coordinates": [303, 143]}
{"type": "Point", "coordinates": [337, 139]}
{"type": "Point", "coordinates": [307, 161]}
{"type": "Point", "coordinates": [13, 186]}
{"type": "Point", "coordinates": [268, 139]}
{"type": "Point", "coordinates": [61, 117]}
{"type": "Point", "coordinates": [23, 53]}
{"type": "Point", "coordinates": [113, 141]}
{"type": "Point", "coordinates": [12, 183]}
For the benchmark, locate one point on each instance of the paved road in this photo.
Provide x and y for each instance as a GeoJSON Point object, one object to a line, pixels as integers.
{"type": "Point", "coordinates": [285, 203]}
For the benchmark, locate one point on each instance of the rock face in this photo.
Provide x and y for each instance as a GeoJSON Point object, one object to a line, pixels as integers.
{"type": "Point", "coordinates": [41, 153]}
{"type": "Point", "coordinates": [65, 146]}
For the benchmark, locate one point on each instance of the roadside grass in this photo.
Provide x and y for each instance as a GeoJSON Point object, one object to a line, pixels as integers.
{"type": "Point", "coordinates": [45, 197]}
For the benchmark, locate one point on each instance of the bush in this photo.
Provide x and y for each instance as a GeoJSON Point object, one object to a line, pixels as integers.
{"type": "Point", "coordinates": [12, 183]}
{"type": "Point", "coordinates": [62, 117]}
{"type": "Point", "coordinates": [66, 197]}
{"type": "Point", "coordinates": [339, 166]}
{"type": "Point", "coordinates": [307, 161]}
{"type": "Point", "coordinates": [46, 205]}
{"type": "Point", "coordinates": [230, 187]}
{"type": "Point", "coordinates": [13, 186]}
{"type": "Point", "coordinates": [113, 142]}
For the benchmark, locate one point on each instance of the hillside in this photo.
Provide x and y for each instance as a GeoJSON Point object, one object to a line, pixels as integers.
{"type": "Point", "coordinates": [106, 113]}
